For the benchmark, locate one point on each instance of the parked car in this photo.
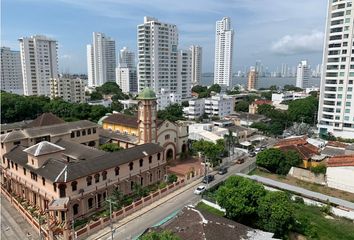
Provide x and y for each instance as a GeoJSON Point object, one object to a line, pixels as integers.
{"type": "Point", "coordinates": [239, 161]}
{"type": "Point", "coordinates": [222, 170]}
{"type": "Point", "coordinates": [252, 154]}
{"type": "Point", "coordinates": [199, 190]}
{"type": "Point", "coordinates": [208, 178]}
{"type": "Point", "coordinates": [263, 147]}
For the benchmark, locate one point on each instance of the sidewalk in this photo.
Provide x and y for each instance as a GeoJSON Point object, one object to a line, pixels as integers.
{"type": "Point", "coordinates": [106, 231]}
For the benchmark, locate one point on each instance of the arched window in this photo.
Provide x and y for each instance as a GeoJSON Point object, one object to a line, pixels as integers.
{"type": "Point", "coordinates": [131, 166]}
{"type": "Point", "coordinates": [76, 208]}
{"type": "Point", "coordinates": [116, 170]}
{"type": "Point", "coordinates": [55, 187]}
{"type": "Point", "coordinates": [150, 177]}
{"type": "Point", "coordinates": [142, 181]}
{"type": "Point", "coordinates": [90, 203]}
{"type": "Point", "coordinates": [104, 175]}
{"type": "Point", "coordinates": [74, 186]}
{"type": "Point", "coordinates": [131, 185]}
{"type": "Point", "coordinates": [97, 177]}
{"type": "Point", "coordinates": [72, 134]}
{"type": "Point", "coordinates": [62, 192]}
{"type": "Point", "coordinates": [159, 174]}
{"type": "Point", "coordinates": [167, 136]}
{"type": "Point", "coordinates": [150, 159]}
{"type": "Point", "coordinates": [141, 162]}
{"type": "Point", "coordinates": [158, 156]}
{"type": "Point", "coordinates": [89, 180]}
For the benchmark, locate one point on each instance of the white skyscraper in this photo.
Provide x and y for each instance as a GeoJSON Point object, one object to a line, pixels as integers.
{"type": "Point", "coordinates": [126, 76]}
{"type": "Point", "coordinates": [336, 107]}
{"type": "Point", "coordinates": [303, 74]}
{"type": "Point", "coordinates": [101, 60]}
{"type": "Point", "coordinates": [223, 52]}
{"type": "Point", "coordinates": [11, 74]}
{"type": "Point", "coordinates": [197, 54]}
{"type": "Point", "coordinates": [157, 55]}
{"type": "Point", "coordinates": [185, 73]}
{"type": "Point", "coordinates": [39, 60]}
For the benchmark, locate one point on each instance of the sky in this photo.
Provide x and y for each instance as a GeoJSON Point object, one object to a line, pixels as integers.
{"type": "Point", "coordinates": [273, 31]}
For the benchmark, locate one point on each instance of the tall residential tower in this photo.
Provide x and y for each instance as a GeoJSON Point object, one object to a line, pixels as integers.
{"type": "Point", "coordinates": [223, 52]}
{"type": "Point", "coordinates": [11, 75]}
{"type": "Point", "coordinates": [336, 107]}
{"type": "Point", "coordinates": [303, 75]}
{"type": "Point", "coordinates": [39, 60]}
{"type": "Point", "coordinates": [126, 76]}
{"type": "Point", "coordinates": [196, 64]}
{"type": "Point", "coordinates": [157, 55]}
{"type": "Point", "coordinates": [101, 60]}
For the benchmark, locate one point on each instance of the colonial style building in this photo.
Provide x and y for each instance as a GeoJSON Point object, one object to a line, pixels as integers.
{"type": "Point", "coordinates": [146, 127]}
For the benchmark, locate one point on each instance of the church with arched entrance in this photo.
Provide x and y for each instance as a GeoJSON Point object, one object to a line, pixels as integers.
{"type": "Point", "coordinates": [128, 131]}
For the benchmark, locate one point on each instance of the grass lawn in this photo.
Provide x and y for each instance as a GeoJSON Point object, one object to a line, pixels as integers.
{"type": "Point", "coordinates": [203, 206]}
{"type": "Point", "coordinates": [310, 186]}
{"type": "Point", "coordinates": [319, 227]}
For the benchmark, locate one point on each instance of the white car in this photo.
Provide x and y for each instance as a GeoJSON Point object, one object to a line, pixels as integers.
{"type": "Point", "coordinates": [199, 190]}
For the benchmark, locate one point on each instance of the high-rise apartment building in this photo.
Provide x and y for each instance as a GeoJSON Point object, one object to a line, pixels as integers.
{"type": "Point", "coordinates": [252, 79]}
{"type": "Point", "coordinates": [39, 60]}
{"type": "Point", "coordinates": [197, 54]}
{"type": "Point", "coordinates": [223, 52]}
{"type": "Point", "coordinates": [69, 89]}
{"type": "Point", "coordinates": [101, 60]}
{"type": "Point", "coordinates": [11, 74]}
{"type": "Point", "coordinates": [336, 105]}
{"type": "Point", "coordinates": [303, 74]}
{"type": "Point", "coordinates": [126, 74]}
{"type": "Point", "coordinates": [184, 73]}
{"type": "Point", "coordinates": [157, 55]}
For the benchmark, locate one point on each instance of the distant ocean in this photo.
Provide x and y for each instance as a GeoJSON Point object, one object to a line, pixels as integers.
{"type": "Point", "coordinates": [264, 82]}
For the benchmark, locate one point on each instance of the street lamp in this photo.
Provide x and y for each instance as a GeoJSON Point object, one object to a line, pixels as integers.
{"type": "Point", "coordinates": [110, 216]}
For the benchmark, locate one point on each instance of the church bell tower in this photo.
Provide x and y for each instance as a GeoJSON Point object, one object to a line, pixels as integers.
{"type": "Point", "coordinates": [147, 116]}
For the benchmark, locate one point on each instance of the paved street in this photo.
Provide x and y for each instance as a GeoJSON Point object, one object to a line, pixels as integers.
{"type": "Point", "coordinates": [136, 226]}
{"type": "Point", "coordinates": [13, 225]}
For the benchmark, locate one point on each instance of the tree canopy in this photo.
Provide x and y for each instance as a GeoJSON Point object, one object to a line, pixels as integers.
{"type": "Point", "coordinates": [204, 91]}
{"type": "Point", "coordinates": [16, 108]}
{"type": "Point", "coordinates": [303, 110]}
{"type": "Point", "coordinates": [165, 235]}
{"type": "Point", "coordinates": [277, 161]}
{"type": "Point", "coordinates": [173, 112]}
{"type": "Point", "coordinates": [288, 87]}
{"type": "Point", "coordinates": [210, 150]}
{"type": "Point", "coordinates": [110, 147]}
{"type": "Point", "coordinates": [241, 106]}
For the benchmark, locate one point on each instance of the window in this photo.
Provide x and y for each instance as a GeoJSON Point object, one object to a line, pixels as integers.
{"type": "Point", "coordinates": [150, 159]}
{"type": "Point", "coordinates": [131, 165]}
{"type": "Point", "coordinates": [55, 187]}
{"type": "Point", "coordinates": [116, 170]}
{"type": "Point", "coordinates": [150, 177]}
{"type": "Point", "coordinates": [89, 131]}
{"type": "Point", "coordinates": [76, 209]}
{"type": "Point", "coordinates": [131, 185]}
{"type": "Point", "coordinates": [97, 178]}
{"type": "Point", "coordinates": [62, 192]}
{"type": "Point", "coordinates": [43, 181]}
{"type": "Point", "coordinates": [167, 136]}
{"type": "Point", "coordinates": [348, 104]}
{"type": "Point", "coordinates": [141, 162]}
{"type": "Point", "coordinates": [90, 203]}
{"type": "Point", "coordinates": [12, 164]}
{"type": "Point", "coordinates": [34, 176]}
{"type": "Point", "coordinates": [104, 175]}
{"type": "Point", "coordinates": [72, 135]}
{"type": "Point", "coordinates": [32, 161]}
{"type": "Point", "coordinates": [74, 186]}
{"type": "Point", "coordinates": [89, 180]}
{"type": "Point", "coordinates": [94, 130]}
{"type": "Point", "coordinates": [17, 142]}
{"type": "Point", "coordinates": [78, 134]}
{"type": "Point", "coordinates": [83, 132]}
{"type": "Point", "coordinates": [142, 181]}
{"type": "Point", "coordinates": [16, 166]}
{"type": "Point", "coordinates": [158, 156]}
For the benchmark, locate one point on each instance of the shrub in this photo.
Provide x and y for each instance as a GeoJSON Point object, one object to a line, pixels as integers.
{"type": "Point", "coordinates": [319, 169]}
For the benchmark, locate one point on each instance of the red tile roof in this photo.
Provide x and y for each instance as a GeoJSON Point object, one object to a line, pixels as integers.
{"type": "Point", "coordinates": [126, 120]}
{"type": "Point", "coordinates": [292, 141]}
{"type": "Point", "coordinates": [262, 101]}
{"type": "Point", "coordinates": [337, 144]}
{"type": "Point", "coordinates": [45, 119]}
{"type": "Point", "coordinates": [341, 161]}
{"type": "Point", "coordinates": [305, 151]}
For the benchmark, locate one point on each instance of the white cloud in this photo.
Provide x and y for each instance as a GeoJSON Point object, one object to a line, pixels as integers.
{"type": "Point", "coordinates": [299, 44]}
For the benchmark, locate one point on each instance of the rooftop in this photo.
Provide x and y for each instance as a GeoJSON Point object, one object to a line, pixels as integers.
{"type": "Point", "coordinates": [333, 151]}
{"type": "Point", "coordinates": [43, 148]}
{"type": "Point", "coordinates": [292, 141]}
{"type": "Point", "coordinates": [16, 125]}
{"type": "Point", "coordinates": [146, 94]}
{"type": "Point", "coordinates": [341, 161]}
{"type": "Point", "coordinates": [125, 120]}
{"type": "Point", "coordinates": [46, 119]}
{"type": "Point", "coordinates": [262, 101]}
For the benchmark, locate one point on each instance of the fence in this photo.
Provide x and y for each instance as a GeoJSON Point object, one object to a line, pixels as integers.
{"type": "Point", "coordinates": [125, 211]}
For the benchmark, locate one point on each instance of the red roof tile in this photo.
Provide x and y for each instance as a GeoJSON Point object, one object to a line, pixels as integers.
{"type": "Point", "coordinates": [292, 141]}
{"type": "Point", "coordinates": [126, 120]}
{"type": "Point", "coordinates": [337, 144]}
{"type": "Point", "coordinates": [305, 151]}
{"type": "Point", "coordinates": [262, 101]}
{"type": "Point", "coordinates": [341, 161]}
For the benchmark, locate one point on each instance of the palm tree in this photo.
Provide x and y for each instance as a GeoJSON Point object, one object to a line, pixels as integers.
{"type": "Point", "coordinates": [230, 142]}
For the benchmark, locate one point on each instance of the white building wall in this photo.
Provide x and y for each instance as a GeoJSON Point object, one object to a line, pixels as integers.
{"type": "Point", "coordinates": [341, 178]}
{"type": "Point", "coordinates": [184, 73]}
{"type": "Point", "coordinates": [70, 90]}
{"type": "Point", "coordinates": [223, 52]}
{"type": "Point", "coordinates": [219, 106]}
{"type": "Point", "coordinates": [195, 109]}
{"type": "Point", "coordinates": [197, 56]}
{"type": "Point", "coordinates": [336, 108]}
{"type": "Point", "coordinates": [11, 73]}
{"type": "Point", "coordinates": [303, 75]}
{"type": "Point", "coordinates": [39, 61]}
{"type": "Point", "coordinates": [157, 55]}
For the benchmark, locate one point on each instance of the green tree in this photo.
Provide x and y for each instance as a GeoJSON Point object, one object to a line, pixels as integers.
{"type": "Point", "coordinates": [95, 96]}
{"type": "Point", "coordinates": [140, 191]}
{"type": "Point", "coordinates": [117, 106]}
{"type": "Point", "coordinates": [172, 178]}
{"type": "Point", "coordinates": [292, 88]}
{"type": "Point", "coordinates": [173, 112]}
{"type": "Point", "coordinates": [241, 106]}
{"type": "Point", "coordinates": [230, 141]}
{"type": "Point", "coordinates": [267, 95]}
{"type": "Point", "coordinates": [110, 147]}
{"type": "Point", "coordinates": [116, 198]}
{"type": "Point", "coordinates": [210, 150]}
{"type": "Point", "coordinates": [165, 235]}
{"type": "Point", "coordinates": [303, 110]}
{"type": "Point", "coordinates": [276, 213]}
{"type": "Point", "coordinates": [214, 88]}
{"type": "Point", "coordinates": [319, 169]}
{"type": "Point", "coordinates": [240, 197]}
{"type": "Point", "coordinates": [199, 89]}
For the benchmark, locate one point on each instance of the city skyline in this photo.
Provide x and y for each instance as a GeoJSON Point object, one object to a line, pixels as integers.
{"type": "Point", "coordinates": [261, 33]}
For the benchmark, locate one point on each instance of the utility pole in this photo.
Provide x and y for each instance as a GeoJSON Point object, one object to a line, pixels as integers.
{"type": "Point", "coordinates": [73, 226]}
{"type": "Point", "coordinates": [110, 216]}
